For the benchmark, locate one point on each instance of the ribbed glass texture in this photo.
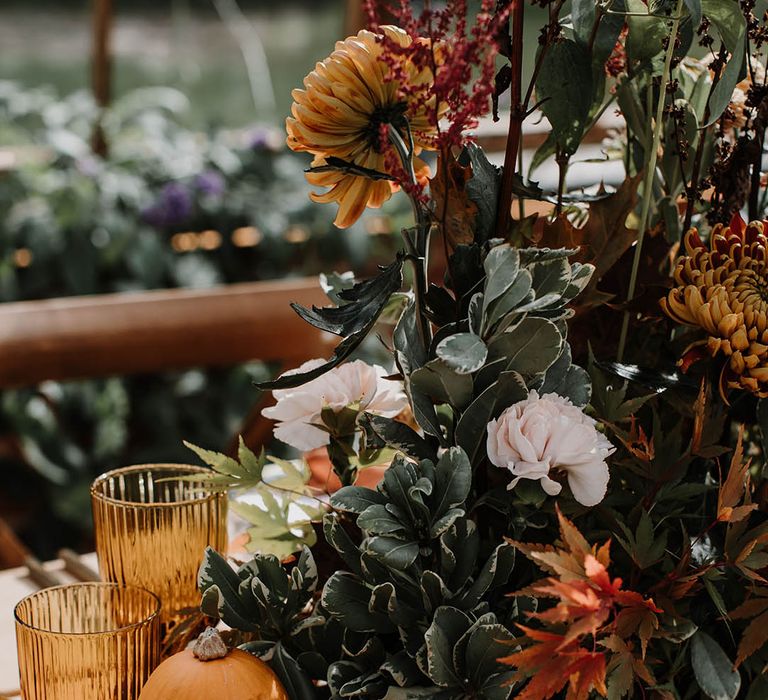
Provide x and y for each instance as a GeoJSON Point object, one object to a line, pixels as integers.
{"type": "Point", "coordinates": [152, 528]}
{"type": "Point", "coordinates": [87, 641]}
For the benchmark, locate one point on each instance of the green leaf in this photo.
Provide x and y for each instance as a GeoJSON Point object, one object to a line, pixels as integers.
{"type": "Point", "coordinates": [356, 498]}
{"type": "Point", "coordinates": [252, 464]}
{"type": "Point", "coordinates": [411, 353]}
{"type": "Point", "coordinates": [565, 90]}
{"type": "Point", "coordinates": [483, 189]}
{"type": "Point", "coordinates": [448, 626]}
{"type": "Point", "coordinates": [297, 684]}
{"type": "Point", "coordinates": [501, 267]}
{"type": "Point", "coordinates": [443, 384]}
{"type": "Point", "coordinates": [646, 34]}
{"type": "Point", "coordinates": [713, 669]}
{"type": "Point", "coordinates": [517, 294]}
{"type": "Point", "coordinates": [220, 586]}
{"type": "Point", "coordinates": [377, 520]}
{"type": "Point", "coordinates": [471, 430]}
{"type": "Point", "coordinates": [551, 277]}
{"type": "Point", "coordinates": [347, 598]}
{"type": "Point", "coordinates": [464, 353]}
{"type": "Point", "coordinates": [606, 33]}
{"type": "Point", "coordinates": [339, 539]}
{"type": "Point", "coordinates": [395, 434]}
{"type": "Point", "coordinates": [530, 348]}
{"type": "Point", "coordinates": [453, 481]}
{"type": "Point", "coordinates": [547, 149]}
{"type": "Point", "coordinates": [217, 461]}
{"type": "Point", "coordinates": [695, 10]}
{"type": "Point", "coordinates": [392, 552]}
{"type": "Point", "coordinates": [353, 321]}
{"type": "Point", "coordinates": [727, 16]}
{"type": "Point", "coordinates": [487, 643]}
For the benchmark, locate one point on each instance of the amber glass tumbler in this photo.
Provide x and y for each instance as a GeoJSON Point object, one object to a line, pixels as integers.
{"type": "Point", "coordinates": [87, 640]}
{"type": "Point", "coordinates": [152, 526]}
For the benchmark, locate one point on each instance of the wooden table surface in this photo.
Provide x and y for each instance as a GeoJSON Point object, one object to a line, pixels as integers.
{"type": "Point", "coordinates": [14, 585]}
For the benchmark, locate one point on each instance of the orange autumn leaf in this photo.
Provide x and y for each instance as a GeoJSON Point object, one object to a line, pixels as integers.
{"type": "Point", "coordinates": [557, 663]}
{"type": "Point", "coordinates": [453, 207]}
{"type": "Point", "coordinates": [756, 633]}
{"type": "Point", "coordinates": [566, 562]}
{"type": "Point", "coordinates": [592, 608]}
{"type": "Point", "coordinates": [732, 489]}
{"type": "Point", "coordinates": [602, 240]}
{"type": "Point", "coordinates": [624, 666]}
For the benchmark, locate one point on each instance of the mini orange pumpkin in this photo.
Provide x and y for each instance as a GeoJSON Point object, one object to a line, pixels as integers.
{"type": "Point", "coordinates": [207, 669]}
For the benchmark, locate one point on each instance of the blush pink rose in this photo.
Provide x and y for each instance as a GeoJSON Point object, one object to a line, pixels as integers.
{"type": "Point", "coordinates": [298, 410]}
{"type": "Point", "coordinates": [544, 435]}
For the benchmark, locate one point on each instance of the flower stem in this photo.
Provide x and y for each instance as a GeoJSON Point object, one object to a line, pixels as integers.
{"type": "Point", "coordinates": [650, 173]}
{"type": "Point", "coordinates": [516, 117]}
{"type": "Point", "coordinates": [418, 248]}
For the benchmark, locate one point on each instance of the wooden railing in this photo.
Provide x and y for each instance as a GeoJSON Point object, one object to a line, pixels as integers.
{"type": "Point", "coordinates": [139, 332]}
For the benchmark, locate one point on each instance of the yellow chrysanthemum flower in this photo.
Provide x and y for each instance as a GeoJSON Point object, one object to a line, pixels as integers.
{"type": "Point", "coordinates": [723, 289]}
{"type": "Point", "coordinates": [338, 113]}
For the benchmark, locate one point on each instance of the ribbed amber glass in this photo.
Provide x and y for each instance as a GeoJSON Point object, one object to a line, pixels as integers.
{"type": "Point", "coordinates": [152, 528]}
{"type": "Point", "coordinates": [87, 641]}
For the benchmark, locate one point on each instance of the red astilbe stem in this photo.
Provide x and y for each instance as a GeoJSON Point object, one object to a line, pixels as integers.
{"type": "Point", "coordinates": [460, 59]}
{"type": "Point", "coordinates": [516, 117]}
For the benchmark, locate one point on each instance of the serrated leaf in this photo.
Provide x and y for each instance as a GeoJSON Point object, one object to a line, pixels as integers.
{"type": "Point", "coordinates": [221, 463]}
{"type": "Point", "coordinates": [353, 321]}
{"type": "Point", "coordinates": [250, 463]}
{"type": "Point", "coordinates": [483, 189]}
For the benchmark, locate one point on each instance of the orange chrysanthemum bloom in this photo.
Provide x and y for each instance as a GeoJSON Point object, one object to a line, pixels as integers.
{"type": "Point", "coordinates": [340, 111]}
{"type": "Point", "coordinates": [723, 289]}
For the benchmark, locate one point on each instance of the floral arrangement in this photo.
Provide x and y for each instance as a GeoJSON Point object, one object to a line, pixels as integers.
{"type": "Point", "coordinates": [574, 422]}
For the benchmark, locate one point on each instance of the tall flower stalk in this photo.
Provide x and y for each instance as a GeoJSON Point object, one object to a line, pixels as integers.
{"type": "Point", "coordinates": [650, 173]}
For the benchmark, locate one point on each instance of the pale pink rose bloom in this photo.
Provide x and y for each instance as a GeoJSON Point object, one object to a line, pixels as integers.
{"type": "Point", "coordinates": [543, 434]}
{"type": "Point", "coordinates": [352, 383]}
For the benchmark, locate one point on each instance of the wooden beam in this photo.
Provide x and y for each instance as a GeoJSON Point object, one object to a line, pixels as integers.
{"type": "Point", "coordinates": [142, 332]}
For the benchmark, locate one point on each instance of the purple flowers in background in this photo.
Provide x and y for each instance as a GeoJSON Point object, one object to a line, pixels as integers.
{"type": "Point", "coordinates": [263, 138]}
{"type": "Point", "coordinates": [211, 183]}
{"type": "Point", "coordinates": [173, 206]}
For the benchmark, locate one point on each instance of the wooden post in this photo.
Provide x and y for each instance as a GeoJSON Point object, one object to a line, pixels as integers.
{"type": "Point", "coordinates": [101, 66]}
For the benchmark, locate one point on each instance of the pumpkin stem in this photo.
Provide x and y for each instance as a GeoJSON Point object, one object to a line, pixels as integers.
{"type": "Point", "coordinates": [209, 646]}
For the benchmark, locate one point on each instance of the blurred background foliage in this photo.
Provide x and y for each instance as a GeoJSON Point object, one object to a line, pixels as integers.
{"type": "Point", "coordinates": [197, 190]}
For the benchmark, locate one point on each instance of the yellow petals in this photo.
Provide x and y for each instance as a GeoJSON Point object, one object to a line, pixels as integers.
{"type": "Point", "coordinates": [723, 289]}
{"type": "Point", "coordinates": [338, 113]}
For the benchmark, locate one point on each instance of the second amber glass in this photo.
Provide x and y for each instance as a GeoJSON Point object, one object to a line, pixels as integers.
{"type": "Point", "coordinates": [152, 528]}
{"type": "Point", "coordinates": [87, 641]}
